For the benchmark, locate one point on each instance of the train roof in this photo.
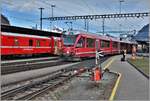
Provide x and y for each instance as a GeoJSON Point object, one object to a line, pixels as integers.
{"type": "Point", "coordinates": [22, 30]}
{"type": "Point", "coordinates": [103, 37]}
{"type": "Point", "coordinates": [23, 35]}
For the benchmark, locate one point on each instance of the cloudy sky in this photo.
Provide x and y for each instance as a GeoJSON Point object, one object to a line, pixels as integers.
{"type": "Point", "coordinates": [25, 13]}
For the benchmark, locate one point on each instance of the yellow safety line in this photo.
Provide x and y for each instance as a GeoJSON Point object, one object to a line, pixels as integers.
{"type": "Point", "coordinates": [117, 82]}
{"type": "Point", "coordinates": [109, 64]}
{"type": "Point", "coordinates": [115, 87]}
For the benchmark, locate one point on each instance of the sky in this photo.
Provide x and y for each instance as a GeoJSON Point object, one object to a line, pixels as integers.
{"type": "Point", "coordinates": [25, 13]}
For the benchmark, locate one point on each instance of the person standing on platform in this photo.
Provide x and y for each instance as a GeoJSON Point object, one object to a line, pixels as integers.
{"type": "Point", "coordinates": [124, 55]}
{"type": "Point", "coordinates": [133, 52]}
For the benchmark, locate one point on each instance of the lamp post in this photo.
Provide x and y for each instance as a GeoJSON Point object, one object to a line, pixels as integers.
{"type": "Point", "coordinates": [120, 2]}
{"type": "Point", "coordinates": [52, 8]}
{"type": "Point", "coordinates": [41, 9]}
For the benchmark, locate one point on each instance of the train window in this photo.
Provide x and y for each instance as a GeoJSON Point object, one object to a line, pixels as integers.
{"type": "Point", "coordinates": [115, 45]}
{"type": "Point", "coordinates": [105, 44]}
{"type": "Point", "coordinates": [30, 42]}
{"type": "Point", "coordinates": [102, 44]}
{"type": "Point", "coordinates": [69, 39]}
{"type": "Point", "coordinates": [81, 42]}
{"type": "Point", "coordinates": [16, 42]}
{"type": "Point", "coordinates": [90, 43]}
{"type": "Point", "coordinates": [38, 43]}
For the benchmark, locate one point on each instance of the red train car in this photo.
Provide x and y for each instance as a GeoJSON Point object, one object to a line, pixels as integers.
{"type": "Point", "coordinates": [82, 45]}
{"type": "Point", "coordinates": [33, 42]}
{"type": "Point", "coordinates": [21, 44]}
{"type": "Point", "coordinates": [58, 43]}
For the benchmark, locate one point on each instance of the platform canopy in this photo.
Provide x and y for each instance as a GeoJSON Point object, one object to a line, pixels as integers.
{"type": "Point", "coordinates": [22, 30]}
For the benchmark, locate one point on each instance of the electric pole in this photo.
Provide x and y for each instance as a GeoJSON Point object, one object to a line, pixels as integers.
{"type": "Point", "coordinates": [87, 25]}
{"type": "Point", "coordinates": [103, 26]}
{"type": "Point", "coordinates": [41, 9]}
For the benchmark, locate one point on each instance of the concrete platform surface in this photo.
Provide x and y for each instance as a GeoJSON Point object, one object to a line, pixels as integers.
{"type": "Point", "coordinates": [25, 75]}
{"type": "Point", "coordinates": [133, 85]}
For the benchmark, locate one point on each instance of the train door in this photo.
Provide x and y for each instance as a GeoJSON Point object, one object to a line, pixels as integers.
{"type": "Point", "coordinates": [55, 46]}
{"type": "Point", "coordinates": [90, 47]}
{"type": "Point", "coordinates": [58, 46]}
{"type": "Point", "coordinates": [80, 47]}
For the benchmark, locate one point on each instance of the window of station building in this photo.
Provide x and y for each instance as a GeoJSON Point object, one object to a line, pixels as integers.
{"type": "Point", "coordinates": [30, 42]}
{"type": "Point", "coordinates": [105, 44]}
{"type": "Point", "coordinates": [90, 43]}
{"type": "Point", "coordinates": [115, 45]}
{"type": "Point", "coordinates": [16, 42]}
{"type": "Point", "coordinates": [38, 43]}
{"type": "Point", "coordinates": [81, 42]}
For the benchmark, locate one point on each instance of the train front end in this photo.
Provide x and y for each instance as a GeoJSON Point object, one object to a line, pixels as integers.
{"type": "Point", "coordinates": [68, 51]}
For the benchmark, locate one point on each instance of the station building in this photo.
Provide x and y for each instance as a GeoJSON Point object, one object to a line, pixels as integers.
{"type": "Point", "coordinates": [4, 20]}
{"type": "Point", "coordinates": [142, 38]}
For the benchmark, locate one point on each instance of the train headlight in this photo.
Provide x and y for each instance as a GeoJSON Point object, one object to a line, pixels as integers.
{"type": "Point", "coordinates": [67, 52]}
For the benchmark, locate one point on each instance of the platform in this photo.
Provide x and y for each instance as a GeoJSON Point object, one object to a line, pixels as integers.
{"type": "Point", "coordinates": [133, 85]}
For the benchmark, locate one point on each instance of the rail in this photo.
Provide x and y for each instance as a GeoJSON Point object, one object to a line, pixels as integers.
{"type": "Point", "coordinates": [31, 90]}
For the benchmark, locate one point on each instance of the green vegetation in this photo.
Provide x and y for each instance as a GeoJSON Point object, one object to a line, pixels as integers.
{"type": "Point", "coordinates": [141, 63]}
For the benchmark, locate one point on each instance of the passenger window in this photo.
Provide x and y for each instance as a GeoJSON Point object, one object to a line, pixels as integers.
{"type": "Point", "coordinates": [115, 45]}
{"type": "Point", "coordinates": [30, 42]}
{"type": "Point", "coordinates": [38, 43]}
{"type": "Point", "coordinates": [102, 44]}
{"type": "Point", "coordinates": [105, 44]}
{"type": "Point", "coordinates": [16, 42]}
{"type": "Point", "coordinates": [81, 43]}
{"type": "Point", "coordinates": [90, 43]}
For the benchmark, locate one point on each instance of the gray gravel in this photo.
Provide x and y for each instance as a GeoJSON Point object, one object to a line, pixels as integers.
{"type": "Point", "coordinates": [82, 88]}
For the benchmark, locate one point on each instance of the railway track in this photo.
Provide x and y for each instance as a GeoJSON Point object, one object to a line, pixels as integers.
{"type": "Point", "coordinates": [33, 89]}
{"type": "Point", "coordinates": [26, 61]}
{"type": "Point", "coordinates": [36, 64]}
{"type": "Point", "coordinates": [30, 66]}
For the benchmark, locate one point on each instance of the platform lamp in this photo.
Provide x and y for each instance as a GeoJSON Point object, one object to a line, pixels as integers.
{"type": "Point", "coordinates": [52, 7]}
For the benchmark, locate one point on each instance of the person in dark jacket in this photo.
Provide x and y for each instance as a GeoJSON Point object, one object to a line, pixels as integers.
{"type": "Point", "coordinates": [124, 55]}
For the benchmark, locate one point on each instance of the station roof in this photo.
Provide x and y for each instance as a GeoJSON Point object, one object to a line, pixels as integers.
{"type": "Point", "coordinates": [143, 34]}
{"type": "Point", "coordinates": [22, 30]}
{"type": "Point", "coordinates": [4, 20]}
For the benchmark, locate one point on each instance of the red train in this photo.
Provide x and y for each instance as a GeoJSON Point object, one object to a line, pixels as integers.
{"type": "Point", "coordinates": [29, 44]}
{"type": "Point", "coordinates": [82, 45]}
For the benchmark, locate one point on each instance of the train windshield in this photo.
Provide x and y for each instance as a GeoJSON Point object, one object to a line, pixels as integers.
{"type": "Point", "coordinates": [69, 40]}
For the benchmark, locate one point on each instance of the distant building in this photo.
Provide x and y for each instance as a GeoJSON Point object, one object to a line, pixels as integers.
{"type": "Point", "coordinates": [4, 20]}
{"type": "Point", "coordinates": [142, 37]}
